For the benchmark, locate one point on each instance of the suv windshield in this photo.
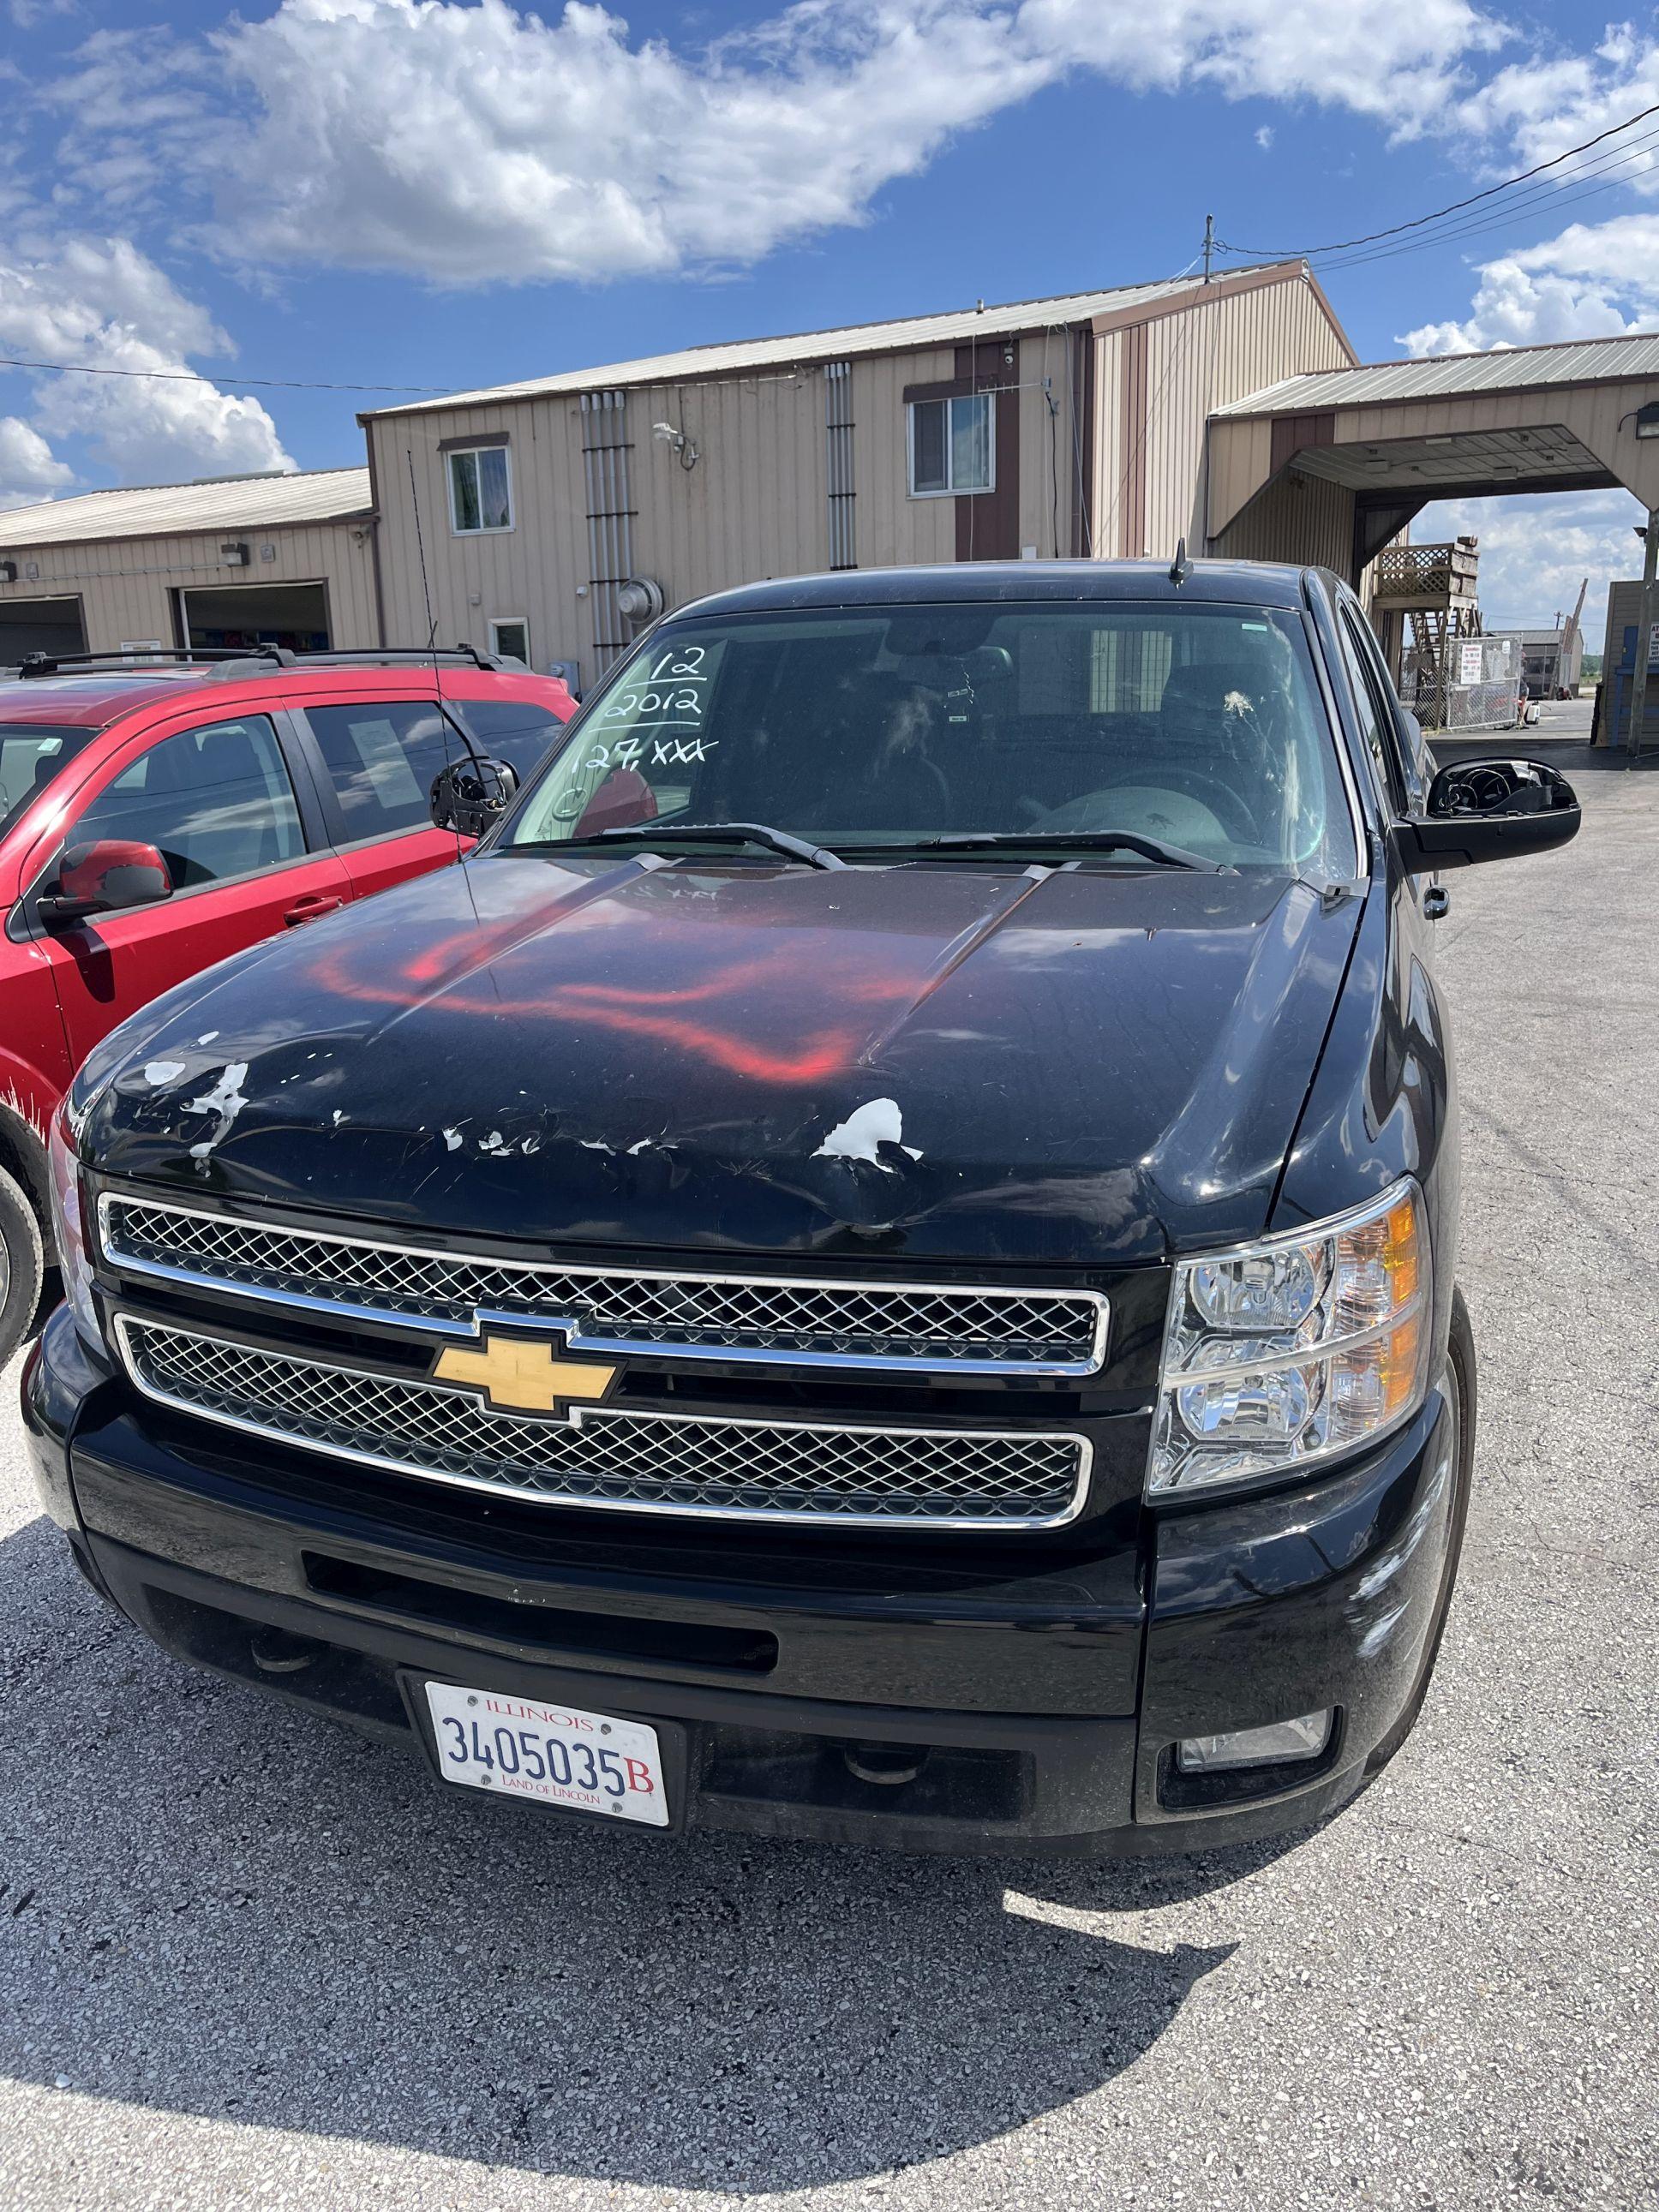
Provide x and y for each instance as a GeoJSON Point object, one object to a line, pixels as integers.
{"type": "Point", "coordinates": [1201, 727]}
{"type": "Point", "coordinates": [30, 756]}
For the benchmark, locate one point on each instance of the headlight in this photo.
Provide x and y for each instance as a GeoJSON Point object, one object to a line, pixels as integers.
{"type": "Point", "coordinates": [69, 1220]}
{"type": "Point", "coordinates": [1279, 1355]}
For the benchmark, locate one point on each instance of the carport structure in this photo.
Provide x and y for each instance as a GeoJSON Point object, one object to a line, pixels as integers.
{"type": "Point", "coordinates": [1331, 466]}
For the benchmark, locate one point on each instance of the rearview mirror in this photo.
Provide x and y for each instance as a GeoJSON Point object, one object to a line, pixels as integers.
{"type": "Point", "coordinates": [110, 873]}
{"type": "Point", "coordinates": [471, 796]}
{"type": "Point", "coordinates": [1487, 810]}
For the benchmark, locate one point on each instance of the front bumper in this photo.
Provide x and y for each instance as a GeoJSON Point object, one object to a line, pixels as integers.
{"type": "Point", "coordinates": [1047, 1688]}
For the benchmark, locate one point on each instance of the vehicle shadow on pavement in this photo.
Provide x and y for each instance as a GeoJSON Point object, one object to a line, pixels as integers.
{"type": "Point", "coordinates": [214, 1904]}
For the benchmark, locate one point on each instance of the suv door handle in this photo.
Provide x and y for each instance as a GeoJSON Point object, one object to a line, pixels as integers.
{"type": "Point", "coordinates": [308, 908]}
{"type": "Point", "coordinates": [1436, 902]}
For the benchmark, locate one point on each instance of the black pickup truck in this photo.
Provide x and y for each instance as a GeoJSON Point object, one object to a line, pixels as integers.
{"type": "Point", "coordinates": [877, 1264]}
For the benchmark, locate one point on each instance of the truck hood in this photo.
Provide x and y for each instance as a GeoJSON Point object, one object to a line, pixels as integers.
{"type": "Point", "coordinates": [949, 1062]}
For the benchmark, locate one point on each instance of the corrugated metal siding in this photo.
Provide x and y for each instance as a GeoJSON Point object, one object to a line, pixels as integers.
{"type": "Point", "coordinates": [171, 510]}
{"type": "Point", "coordinates": [535, 571]}
{"type": "Point", "coordinates": [754, 506]}
{"type": "Point", "coordinates": [126, 588]}
{"type": "Point", "coordinates": [1517, 367]}
{"type": "Point", "coordinates": [895, 529]}
{"type": "Point", "coordinates": [1198, 361]}
{"type": "Point", "coordinates": [1302, 518]}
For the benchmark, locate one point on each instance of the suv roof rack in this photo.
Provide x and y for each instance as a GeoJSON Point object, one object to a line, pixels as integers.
{"type": "Point", "coordinates": [232, 666]}
{"type": "Point", "coordinates": [129, 657]}
{"type": "Point", "coordinates": [228, 662]}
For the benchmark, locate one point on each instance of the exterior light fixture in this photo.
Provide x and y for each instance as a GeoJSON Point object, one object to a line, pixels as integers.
{"type": "Point", "coordinates": [233, 556]}
{"type": "Point", "coordinates": [1647, 420]}
{"type": "Point", "coordinates": [677, 439]}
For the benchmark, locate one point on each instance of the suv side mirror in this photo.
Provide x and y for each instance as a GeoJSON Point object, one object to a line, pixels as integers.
{"type": "Point", "coordinates": [1487, 810]}
{"type": "Point", "coordinates": [470, 796]}
{"type": "Point", "coordinates": [100, 877]}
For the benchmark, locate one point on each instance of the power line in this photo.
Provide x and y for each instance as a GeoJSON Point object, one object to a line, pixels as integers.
{"type": "Point", "coordinates": [1344, 245]}
{"type": "Point", "coordinates": [1559, 192]}
{"type": "Point", "coordinates": [189, 376]}
{"type": "Point", "coordinates": [1498, 222]}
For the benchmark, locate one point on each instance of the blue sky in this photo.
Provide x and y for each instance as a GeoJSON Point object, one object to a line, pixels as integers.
{"type": "Point", "coordinates": [417, 193]}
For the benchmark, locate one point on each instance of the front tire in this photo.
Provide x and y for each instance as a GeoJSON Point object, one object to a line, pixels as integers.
{"type": "Point", "coordinates": [23, 1265]}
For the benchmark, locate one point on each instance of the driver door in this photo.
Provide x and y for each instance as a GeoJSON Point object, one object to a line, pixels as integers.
{"type": "Point", "coordinates": [217, 799]}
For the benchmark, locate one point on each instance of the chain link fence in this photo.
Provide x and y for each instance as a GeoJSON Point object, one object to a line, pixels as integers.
{"type": "Point", "coordinates": [1476, 685]}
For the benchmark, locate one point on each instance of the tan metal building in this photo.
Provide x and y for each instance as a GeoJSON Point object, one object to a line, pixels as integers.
{"type": "Point", "coordinates": [286, 558]}
{"type": "Point", "coordinates": [1074, 425]}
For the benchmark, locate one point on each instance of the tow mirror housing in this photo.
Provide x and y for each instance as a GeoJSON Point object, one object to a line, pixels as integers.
{"type": "Point", "coordinates": [471, 796]}
{"type": "Point", "coordinates": [100, 878]}
{"type": "Point", "coordinates": [1487, 810]}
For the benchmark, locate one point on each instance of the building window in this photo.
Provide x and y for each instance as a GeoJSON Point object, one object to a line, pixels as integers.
{"type": "Point", "coordinates": [510, 635]}
{"type": "Point", "coordinates": [952, 445]}
{"type": "Point", "coordinates": [480, 491]}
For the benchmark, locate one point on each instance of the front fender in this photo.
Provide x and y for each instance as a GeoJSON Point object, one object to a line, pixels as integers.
{"type": "Point", "coordinates": [1383, 1100]}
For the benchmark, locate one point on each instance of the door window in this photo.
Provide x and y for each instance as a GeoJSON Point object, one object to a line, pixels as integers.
{"type": "Point", "coordinates": [510, 635]}
{"type": "Point", "coordinates": [30, 758]}
{"type": "Point", "coordinates": [216, 802]}
{"type": "Point", "coordinates": [1375, 725]}
{"type": "Point", "coordinates": [382, 758]}
{"type": "Point", "coordinates": [516, 731]}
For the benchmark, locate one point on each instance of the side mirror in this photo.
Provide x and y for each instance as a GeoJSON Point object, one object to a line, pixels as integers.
{"type": "Point", "coordinates": [98, 879]}
{"type": "Point", "coordinates": [470, 796]}
{"type": "Point", "coordinates": [1487, 810]}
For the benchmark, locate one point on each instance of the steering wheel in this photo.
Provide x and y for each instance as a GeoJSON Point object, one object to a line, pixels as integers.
{"type": "Point", "coordinates": [1236, 814]}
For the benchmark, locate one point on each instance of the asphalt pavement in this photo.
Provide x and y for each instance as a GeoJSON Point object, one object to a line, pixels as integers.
{"type": "Point", "coordinates": [246, 1959]}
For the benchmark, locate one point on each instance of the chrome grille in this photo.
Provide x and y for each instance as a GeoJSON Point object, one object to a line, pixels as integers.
{"type": "Point", "coordinates": [683, 1315]}
{"type": "Point", "coordinates": [747, 1470]}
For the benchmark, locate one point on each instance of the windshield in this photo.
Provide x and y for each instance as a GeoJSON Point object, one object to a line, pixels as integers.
{"type": "Point", "coordinates": [30, 756]}
{"type": "Point", "coordinates": [1199, 726]}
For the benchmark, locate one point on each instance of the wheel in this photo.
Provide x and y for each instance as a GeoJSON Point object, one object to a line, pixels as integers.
{"type": "Point", "coordinates": [21, 1263]}
{"type": "Point", "coordinates": [1460, 1388]}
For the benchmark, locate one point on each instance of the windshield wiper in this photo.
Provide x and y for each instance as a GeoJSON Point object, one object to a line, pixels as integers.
{"type": "Point", "coordinates": [691, 832]}
{"type": "Point", "coordinates": [1155, 850]}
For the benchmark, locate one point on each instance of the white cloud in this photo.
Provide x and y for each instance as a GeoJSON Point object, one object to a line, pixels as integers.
{"type": "Point", "coordinates": [1264, 136]}
{"type": "Point", "coordinates": [1594, 281]}
{"type": "Point", "coordinates": [474, 144]}
{"type": "Point", "coordinates": [100, 303]}
{"type": "Point", "coordinates": [28, 469]}
{"type": "Point", "coordinates": [1536, 551]}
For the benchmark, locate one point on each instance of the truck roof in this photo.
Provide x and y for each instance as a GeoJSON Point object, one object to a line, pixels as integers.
{"type": "Point", "coordinates": [1258, 583]}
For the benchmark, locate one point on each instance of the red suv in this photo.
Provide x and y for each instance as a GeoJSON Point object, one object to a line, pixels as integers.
{"type": "Point", "coordinates": [156, 818]}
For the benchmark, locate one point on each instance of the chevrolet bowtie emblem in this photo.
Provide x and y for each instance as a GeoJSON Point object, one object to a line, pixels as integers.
{"type": "Point", "coordinates": [517, 1377]}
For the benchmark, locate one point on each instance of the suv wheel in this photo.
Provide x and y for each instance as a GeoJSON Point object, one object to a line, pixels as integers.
{"type": "Point", "coordinates": [21, 1263]}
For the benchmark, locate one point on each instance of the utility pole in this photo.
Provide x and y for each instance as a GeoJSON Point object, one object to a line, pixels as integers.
{"type": "Point", "coordinates": [1209, 244]}
{"type": "Point", "coordinates": [1639, 690]}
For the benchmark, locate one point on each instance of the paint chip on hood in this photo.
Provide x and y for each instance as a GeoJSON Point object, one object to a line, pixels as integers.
{"type": "Point", "coordinates": [225, 1100]}
{"type": "Point", "coordinates": [863, 1133]}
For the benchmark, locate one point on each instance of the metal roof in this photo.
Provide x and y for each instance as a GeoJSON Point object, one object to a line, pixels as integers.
{"type": "Point", "coordinates": [910, 333]}
{"type": "Point", "coordinates": [1507, 369]}
{"type": "Point", "coordinates": [258, 502]}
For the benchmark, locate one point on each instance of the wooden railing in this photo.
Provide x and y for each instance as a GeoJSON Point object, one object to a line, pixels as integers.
{"type": "Point", "coordinates": [1441, 573]}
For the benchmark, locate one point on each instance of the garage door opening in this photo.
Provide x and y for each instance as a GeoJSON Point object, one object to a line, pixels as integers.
{"type": "Point", "coordinates": [39, 626]}
{"type": "Point", "coordinates": [233, 615]}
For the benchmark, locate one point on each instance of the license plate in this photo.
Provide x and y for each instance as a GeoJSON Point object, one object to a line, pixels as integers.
{"type": "Point", "coordinates": [520, 1747]}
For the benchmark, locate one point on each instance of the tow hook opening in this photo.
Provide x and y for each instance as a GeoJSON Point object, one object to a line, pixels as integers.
{"type": "Point", "coordinates": [888, 1764]}
{"type": "Point", "coordinates": [279, 1651]}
